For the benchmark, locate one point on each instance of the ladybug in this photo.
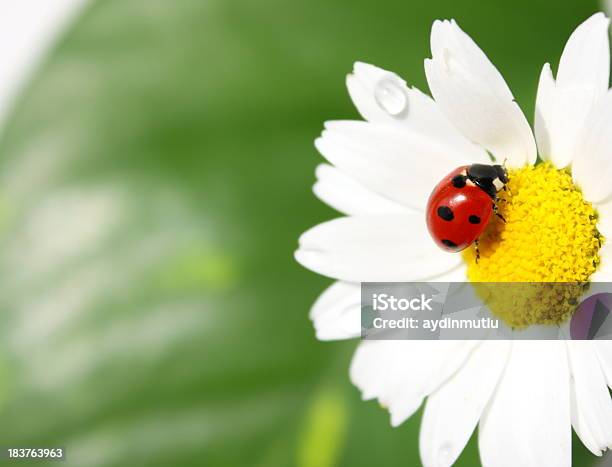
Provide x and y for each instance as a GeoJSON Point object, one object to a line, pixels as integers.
{"type": "Point", "coordinates": [460, 206]}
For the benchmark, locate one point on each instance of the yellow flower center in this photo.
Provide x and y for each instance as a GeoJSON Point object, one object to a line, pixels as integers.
{"type": "Point", "coordinates": [550, 236]}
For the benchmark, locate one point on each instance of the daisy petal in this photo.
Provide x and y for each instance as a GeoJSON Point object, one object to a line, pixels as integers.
{"type": "Point", "coordinates": [604, 224]}
{"type": "Point", "coordinates": [377, 248]}
{"type": "Point", "coordinates": [370, 86]}
{"type": "Point", "coordinates": [585, 61]}
{"type": "Point", "coordinates": [452, 412]}
{"type": "Point", "coordinates": [545, 114]}
{"type": "Point", "coordinates": [527, 422]}
{"type": "Point", "coordinates": [397, 165]}
{"type": "Point", "coordinates": [363, 85]}
{"type": "Point", "coordinates": [400, 374]}
{"type": "Point", "coordinates": [337, 312]}
{"type": "Point", "coordinates": [458, 274]}
{"type": "Point", "coordinates": [562, 107]}
{"type": "Point", "coordinates": [604, 352]}
{"type": "Point", "coordinates": [604, 272]}
{"type": "Point", "coordinates": [592, 169]}
{"type": "Point", "coordinates": [474, 96]}
{"type": "Point", "coordinates": [349, 197]}
{"type": "Point", "coordinates": [590, 400]}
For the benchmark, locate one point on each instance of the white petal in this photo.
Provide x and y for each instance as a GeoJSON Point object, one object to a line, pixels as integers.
{"type": "Point", "coordinates": [337, 312]}
{"type": "Point", "coordinates": [585, 61]}
{"type": "Point", "coordinates": [604, 352]}
{"type": "Point", "coordinates": [452, 412]}
{"type": "Point", "coordinates": [592, 168]}
{"type": "Point", "coordinates": [590, 399]}
{"type": "Point", "coordinates": [383, 248]}
{"type": "Point", "coordinates": [400, 374]}
{"type": "Point", "coordinates": [367, 85]}
{"type": "Point", "coordinates": [349, 196]}
{"type": "Point", "coordinates": [363, 84]}
{"type": "Point", "coordinates": [604, 224]}
{"type": "Point", "coordinates": [562, 107]}
{"type": "Point", "coordinates": [475, 97]}
{"type": "Point", "coordinates": [457, 274]}
{"type": "Point", "coordinates": [527, 422]}
{"type": "Point", "coordinates": [396, 164]}
{"type": "Point", "coordinates": [604, 271]}
{"type": "Point", "coordinates": [545, 114]}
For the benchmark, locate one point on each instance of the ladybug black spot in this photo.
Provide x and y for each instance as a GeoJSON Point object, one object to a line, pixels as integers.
{"type": "Point", "coordinates": [458, 181]}
{"type": "Point", "coordinates": [449, 244]}
{"type": "Point", "coordinates": [474, 219]}
{"type": "Point", "coordinates": [446, 213]}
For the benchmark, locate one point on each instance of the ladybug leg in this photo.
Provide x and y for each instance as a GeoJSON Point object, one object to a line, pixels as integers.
{"type": "Point", "coordinates": [500, 200]}
{"type": "Point", "coordinates": [496, 211]}
{"type": "Point", "coordinates": [477, 248]}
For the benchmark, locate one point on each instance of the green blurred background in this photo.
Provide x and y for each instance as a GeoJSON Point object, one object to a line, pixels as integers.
{"type": "Point", "coordinates": [154, 178]}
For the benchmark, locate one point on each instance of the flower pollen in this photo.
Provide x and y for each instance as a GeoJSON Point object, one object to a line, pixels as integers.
{"type": "Point", "coordinates": [550, 235]}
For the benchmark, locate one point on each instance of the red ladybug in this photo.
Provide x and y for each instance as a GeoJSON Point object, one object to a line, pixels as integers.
{"type": "Point", "coordinates": [460, 206]}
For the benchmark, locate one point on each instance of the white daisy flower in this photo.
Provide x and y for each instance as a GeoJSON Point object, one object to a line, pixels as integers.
{"type": "Point", "coordinates": [525, 396]}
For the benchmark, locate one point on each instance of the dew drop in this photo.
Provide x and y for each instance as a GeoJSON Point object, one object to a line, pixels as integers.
{"type": "Point", "coordinates": [391, 97]}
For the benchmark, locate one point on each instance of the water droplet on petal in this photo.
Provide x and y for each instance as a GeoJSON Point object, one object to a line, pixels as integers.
{"type": "Point", "coordinates": [391, 97]}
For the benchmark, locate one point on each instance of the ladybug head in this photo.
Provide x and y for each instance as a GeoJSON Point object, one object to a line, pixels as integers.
{"type": "Point", "coordinates": [490, 178]}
